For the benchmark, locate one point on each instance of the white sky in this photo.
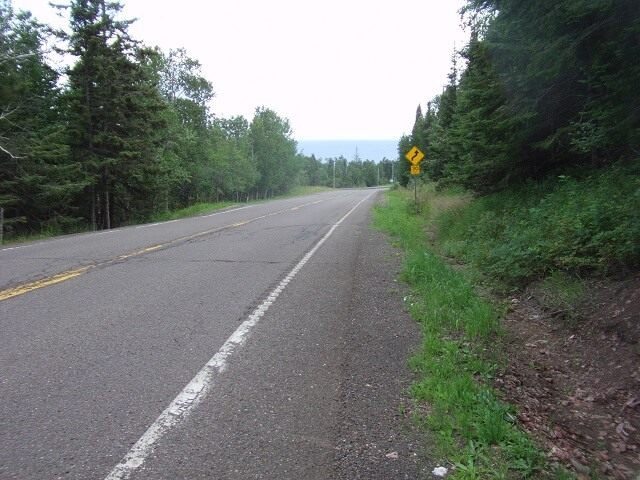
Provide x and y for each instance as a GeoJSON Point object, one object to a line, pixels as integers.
{"type": "Point", "coordinates": [337, 69]}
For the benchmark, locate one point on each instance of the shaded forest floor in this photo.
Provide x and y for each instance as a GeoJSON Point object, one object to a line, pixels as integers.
{"type": "Point", "coordinates": [575, 376]}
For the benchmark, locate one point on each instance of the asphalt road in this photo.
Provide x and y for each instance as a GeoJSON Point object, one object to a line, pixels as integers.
{"type": "Point", "coordinates": [266, 341]}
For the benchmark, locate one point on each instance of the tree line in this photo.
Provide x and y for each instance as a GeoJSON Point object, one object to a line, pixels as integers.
{"type": "Point", "coordinates": [338, 172]}
{"type": "Point", "coordinates": [124, 132]}
{"type": "Point", "coordinates": [540, 85]}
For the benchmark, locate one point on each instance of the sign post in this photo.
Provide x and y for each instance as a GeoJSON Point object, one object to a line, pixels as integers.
{"type": "Point", "coordinates": [415, 156]}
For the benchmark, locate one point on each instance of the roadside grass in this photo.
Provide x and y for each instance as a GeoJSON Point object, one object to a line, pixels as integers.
{"type": "Point", "coordinates": [191, 211]}
{"type": "Point", "coordinates": [49, 232]}
{"type": "Point", "coordinates": [473, 429]}
{"type": "Point", "coordinates": [202, 208]}
{"type": "Point", "coordinates": [548, 236]}
{"type": "Point", "coordinates": [14, 240]}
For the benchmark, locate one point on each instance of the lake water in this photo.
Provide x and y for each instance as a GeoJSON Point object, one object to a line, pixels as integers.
{"type": "Point", "coordinates": [374, 150]}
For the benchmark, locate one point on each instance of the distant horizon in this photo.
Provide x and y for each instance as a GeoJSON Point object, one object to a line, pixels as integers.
{"type": "Point", "coordinates": [368, 149]}
{"type": "Point", "coordinates": [347, 139]}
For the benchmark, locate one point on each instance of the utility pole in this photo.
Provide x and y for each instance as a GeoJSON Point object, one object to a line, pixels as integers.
{"type": "Point", "coordinates": [334, 173]}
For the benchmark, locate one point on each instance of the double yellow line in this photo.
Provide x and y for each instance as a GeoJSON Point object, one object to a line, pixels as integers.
{"type": "Point", "coordinates": [68, 275]}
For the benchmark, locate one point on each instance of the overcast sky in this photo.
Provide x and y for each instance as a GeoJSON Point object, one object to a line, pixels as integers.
{"type": "Point", "coordinates": [337, 69]}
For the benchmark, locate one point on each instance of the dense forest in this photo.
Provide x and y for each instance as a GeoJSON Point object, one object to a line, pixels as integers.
{"type": "Point", "coordinates": [540, 86]}
{"type": "Point", "coordinates": [125, 132]}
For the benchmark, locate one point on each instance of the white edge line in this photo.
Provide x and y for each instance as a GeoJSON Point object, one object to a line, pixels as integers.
{"type": "Point", "coordinates": [197, 389]}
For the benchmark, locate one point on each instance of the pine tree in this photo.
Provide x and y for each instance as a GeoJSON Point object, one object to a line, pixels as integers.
{"type": "Point", "coordinates": [114, 113]}
{"type": "Point", "coordinates": [403, 174]}
{"type": "Point", "coordinates": [37, 180]}
{"type": "Point", "coordinates": [484, 135]}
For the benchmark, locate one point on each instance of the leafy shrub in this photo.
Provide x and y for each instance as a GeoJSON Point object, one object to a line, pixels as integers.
{"type": "Point", "coordinates": [572, 222]}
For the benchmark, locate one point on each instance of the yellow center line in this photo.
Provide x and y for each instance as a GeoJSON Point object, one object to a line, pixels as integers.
{"type": "Point", "coordinates": [138, 252]}
{"type": "Point", "coordinates": [45, 282]}
{"type": "Point", "coordinates": [68, 275]}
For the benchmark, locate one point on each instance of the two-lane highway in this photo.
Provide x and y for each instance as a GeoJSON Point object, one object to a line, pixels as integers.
{"type": "Point", "coordinates": [57, 258]}
{"type": "Point", "coordinates": [204, 347]}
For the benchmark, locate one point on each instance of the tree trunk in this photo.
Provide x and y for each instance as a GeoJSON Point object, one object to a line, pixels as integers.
{"type": "Point", "coordinates": [107, 210]}
{"type": "Point", "coordinates": [94, 223]}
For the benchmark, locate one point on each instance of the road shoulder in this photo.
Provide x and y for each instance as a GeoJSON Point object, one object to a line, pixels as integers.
{"type": "Point", "coordinates": [375, 440]}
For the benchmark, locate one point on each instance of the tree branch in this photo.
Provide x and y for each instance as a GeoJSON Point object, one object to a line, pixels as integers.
{"type": "Point", "coordinates": [3, 116]}
{"type": "Point", "coordinates": [15, 157]}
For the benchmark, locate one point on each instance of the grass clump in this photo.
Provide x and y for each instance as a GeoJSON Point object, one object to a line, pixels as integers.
{"type": "Point", "coordinates": [308, 190]}
{"type": "Point", "coordinates": [473, 428]}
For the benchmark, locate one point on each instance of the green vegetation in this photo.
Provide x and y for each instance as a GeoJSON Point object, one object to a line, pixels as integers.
{"type": "Point", "coordinates": [531, 178]}
{"type": "Point", "coordinates": [202, 208]}
{"type": "Point", "coordinates": [548, 235]}
{"type": "Point", "coordinates": [124, 134]}
{"type": "Point", "coordinates": [307, 190]}
{"type": "Point", "coordinates": [191, 211]}
{"type": "Point", "coordinates": [545, 85]}
{"type": "Point", "coordinates": [579, 222]}
{"type": "Point", "coordinates": [471, 426]}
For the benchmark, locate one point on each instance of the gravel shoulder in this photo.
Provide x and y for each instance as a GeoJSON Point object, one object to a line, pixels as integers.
{"type": "Point", "coordinates": [376, 441]}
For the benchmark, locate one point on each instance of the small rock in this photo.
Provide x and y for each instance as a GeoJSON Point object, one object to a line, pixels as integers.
{"type": "Point", "coordinates": [580, 468]}
{"type": "Point", "coordinates": [440, 471]}
{"type": "Point", "coordinates": [392, 455]}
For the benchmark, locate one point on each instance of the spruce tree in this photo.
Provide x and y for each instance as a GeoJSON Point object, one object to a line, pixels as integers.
{"type": "Point", "coordinates": [37, 180]}
{"type": "Point", "coordinates": [114, 113]}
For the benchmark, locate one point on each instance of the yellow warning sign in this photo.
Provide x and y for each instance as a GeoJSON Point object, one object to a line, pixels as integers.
{"type": "Point", "coordinates": [414, 155]}
{"type": "Point", "coordinates": [415, 169]}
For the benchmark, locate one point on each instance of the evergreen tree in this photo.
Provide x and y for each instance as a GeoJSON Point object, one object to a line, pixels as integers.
{"type": "Point", "coordinates": [484, 134]}
{"type": "Point", "coordinates": [608, 48]}
{"type": "Point", "coordinates": [37, 182]}
{"type": "Point", "coordinates": [571, 70]}
{"type": "Point", "coordinates": [114, 114]}
{"type": "Point", "coordinates": [404, 168]}
{"type": "Point", "coordinates": [546, 84]}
